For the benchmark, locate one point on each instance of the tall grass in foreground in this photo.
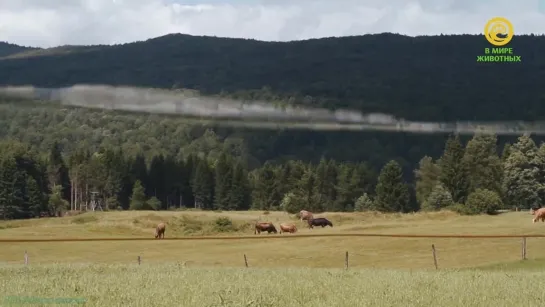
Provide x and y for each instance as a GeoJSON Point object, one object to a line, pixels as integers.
{"type": "Point", "coordinates": [175, 285]}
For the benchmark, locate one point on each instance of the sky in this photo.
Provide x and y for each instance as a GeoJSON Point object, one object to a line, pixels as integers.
{"type": "Point", "coordinates": [49, 23]}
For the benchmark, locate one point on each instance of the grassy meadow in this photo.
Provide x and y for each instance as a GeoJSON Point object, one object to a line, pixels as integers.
{"type": "Point", "coordinates": [319, 252]}
{"type": "Point", "coordinates": [282, 272]}
{"type": "Point", "coordinates": [173, 285]}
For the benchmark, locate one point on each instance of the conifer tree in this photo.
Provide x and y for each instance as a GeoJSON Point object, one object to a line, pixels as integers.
{"type": "Point", "coordinates": [483, 163]}
{"type": "Point", "coordinates": [454, 175]}
{"type": "Point", "coordinates": [392, 193]}
{"type": "Point", "coordinates": [239, 194]}
{"type": "Point", "coordinates": [138, 198]}
{"type": "Point", "coordinates": [223, 184]}
{"type": "Point", "coordinates": [203, 185]}
{"type": "Point", "coordinates": [427, 177]}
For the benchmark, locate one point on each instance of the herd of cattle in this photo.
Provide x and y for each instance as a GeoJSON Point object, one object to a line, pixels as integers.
{"type": "Point", "coordinates": [538, 212]}
{"type": "Point", "coordinates": [268, 226]}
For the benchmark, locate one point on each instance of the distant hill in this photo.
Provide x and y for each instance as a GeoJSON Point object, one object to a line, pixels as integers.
{"type": "Point", "coordinates": [7, 49]}
{"type": "Point", "coordinates": [432, 78]}
{"type": "Point", "coordinates": [426, 78]}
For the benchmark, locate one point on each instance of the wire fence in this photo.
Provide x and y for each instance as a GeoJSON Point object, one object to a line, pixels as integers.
{"type": "Point", "coordinates": [290, 236]}
{"type": "Point", "coordinates": [349, 250]}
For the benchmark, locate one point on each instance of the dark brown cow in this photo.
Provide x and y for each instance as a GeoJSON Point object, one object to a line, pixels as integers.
{"type": "Point", "coordinates": [265, 226]}
{"type": "Point", "coordinates": [160, 231]}
{"type": "Point", "coordinates": [539, 214]}
{"type": "Point", "coordinates": [305, 215]}
{"type": "Point", "coordinates": [291, 228]}
{"type": "Point", "coordinates": [321, 221]}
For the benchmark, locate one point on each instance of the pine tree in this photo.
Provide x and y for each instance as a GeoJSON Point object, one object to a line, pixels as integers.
{"type": "Point", "coordinates": [156, 177]}
{"type": "Point", "coordinates": [307, 192]}
{"type": "Point", "coordinates": [239, 195]}
{"type": "Point", "coordinates": [426, 177]}
{"type": "Point", "coordinates": [11, 193]}
{"type": "Point", "coordinates": [454, 175]}
{"type": "Point", "coordinates": [203, 185]}
{"type": "Point", "coordinates": [521, 187]}
{"type": "Point", "coordinates": [57, 205]}
{"type": "Point", "coordinates": [138, 198]}
{"type": "Point", "coordinates": [266, 194]}
{"type": "Point", "coordinates": [58, 171]}
{"type": "Point", "coordinates": [483, 164]}
{"type": "Point", "coordinates": [392, 194]}
{"type": "Point", "coordinates": [321, 182]}
{"type": "Point", "coordinates": [224, 178]}
{"type": "Point", "coordinates": [36, 202]}
{"type": "Point", "coordinates": [343, 187]}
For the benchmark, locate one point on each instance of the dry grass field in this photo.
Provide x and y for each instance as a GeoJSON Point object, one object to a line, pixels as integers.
{"type": "Point", "coordinates": [319, 252]}
{"type": "Point", "coordinates": [298, 271]}
{"type": "Point", "coordinates": [172, 285]}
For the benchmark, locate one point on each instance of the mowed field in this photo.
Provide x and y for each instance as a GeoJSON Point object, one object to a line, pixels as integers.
{"type": "Point", "coordinates": [289, 271]}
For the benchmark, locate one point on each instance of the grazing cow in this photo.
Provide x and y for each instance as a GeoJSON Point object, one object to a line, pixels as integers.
{"type": "Point", "coordinates": [534, 209]}
{"type": "Point", "coordinates": [319, 222]}
{"type": "Point", "coordinates": [291, 228]}
{"type": "Point", "coordinates": [305, 215]}
{"type": "Point", "coordinates": [266, 226]}
{"type": "Point", "coordinates": [539, 214]}
{"type": "Point", "coordinates": [160, 231]}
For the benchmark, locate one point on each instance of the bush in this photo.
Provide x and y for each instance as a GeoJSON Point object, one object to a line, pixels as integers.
{"type": "Point", "coordinates": [364, 203]}
{"type": "Point", "coordinates": [439, 198]}
{"type": "Point", "coordinates": [483, 201]}
{"type": "Point", "coordinates": [458, 208]}
{"type": "Point", "coordinates": [290, 203]}
{"type": "Point", "coordinates": [224, 224]}
{"type": "Point", "coordinates": [154, 203]}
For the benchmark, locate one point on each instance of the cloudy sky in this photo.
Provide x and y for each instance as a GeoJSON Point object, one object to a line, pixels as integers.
{"type": "Point", "coordinates": [47, 23]}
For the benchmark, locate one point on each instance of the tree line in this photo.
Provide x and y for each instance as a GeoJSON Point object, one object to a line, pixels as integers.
{"type": "Point", "coordinates": [470, 179]}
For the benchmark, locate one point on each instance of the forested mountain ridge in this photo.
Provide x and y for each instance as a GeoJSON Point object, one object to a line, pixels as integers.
{"type": "Point", "coordinates": [418, 78]}
{"type": "Point", "coordinates": [423, 78]}
{"type": "Point", "coordinates": [141, 161]}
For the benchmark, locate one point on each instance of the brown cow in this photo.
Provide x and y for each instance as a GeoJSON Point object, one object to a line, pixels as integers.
{"type": "Point", "coordinates": [539, 214]}
{"type": "Point", "coordinates": [160, 231]}
{"type": "Point", "coordinates": [265, 226]}
{"type": "Point", "coordinates": [305, 215]}
{"type": "Point", "coordinates": [291, 228]}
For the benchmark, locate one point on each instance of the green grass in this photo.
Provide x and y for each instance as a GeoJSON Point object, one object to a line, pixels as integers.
{"type": "Point", "coordinates": [176, 285]}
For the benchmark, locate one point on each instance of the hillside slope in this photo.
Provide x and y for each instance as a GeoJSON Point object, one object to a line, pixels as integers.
{"type": "Point", "coordinates": [421, 78]}
{"type": "Point", "coordinates": [7, 49]}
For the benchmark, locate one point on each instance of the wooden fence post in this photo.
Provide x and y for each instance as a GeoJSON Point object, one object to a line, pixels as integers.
{"type": "Point", "coordinates": [523, 248]}
{"type": "Point", "coordinates": [139, 260]}
{"type": "Point", "coordinates": [346, 261]}
{"type": "Point", "coordinates": [245, 260]}
{"type": "Point", "coordinates": [26, 258]}
{"type": "Point", "coordinates": [434, 256]}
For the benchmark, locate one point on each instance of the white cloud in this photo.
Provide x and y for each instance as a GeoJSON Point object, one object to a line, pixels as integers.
{"type": "Point", "coordinates": [59, 22]}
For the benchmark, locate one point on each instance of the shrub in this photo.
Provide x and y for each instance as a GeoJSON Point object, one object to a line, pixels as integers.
{"type": "Point", "coordinates": [483, 201]}
{"type": "Point", "coordinates": [224, 224]}
{"type": "Point", "coordinates": [364, 203]}
{"type": "Point", "coordinates": [438, 199]}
